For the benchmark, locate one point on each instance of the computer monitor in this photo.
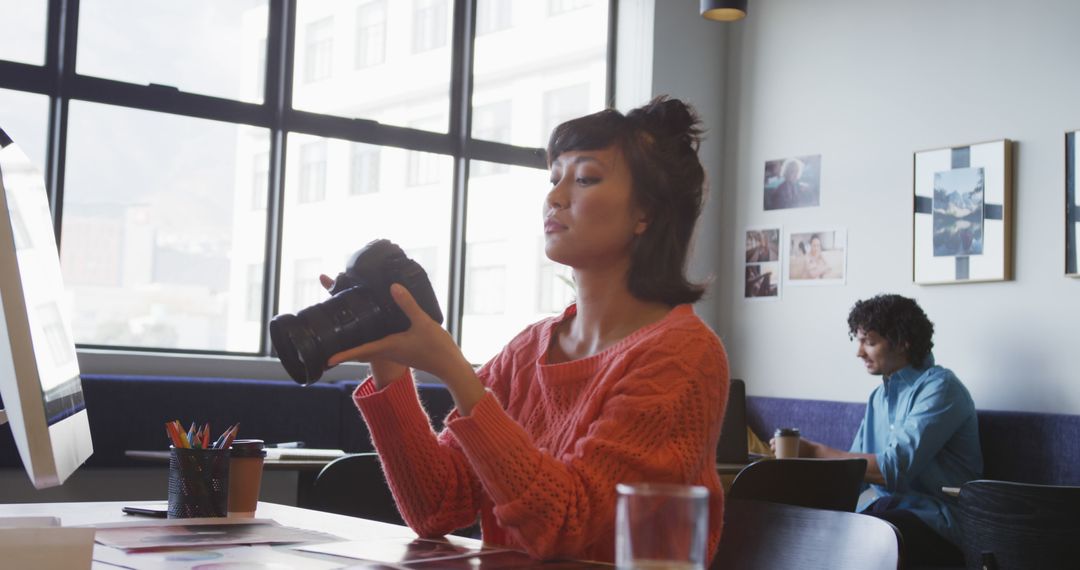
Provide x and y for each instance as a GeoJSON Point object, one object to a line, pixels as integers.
{"type": "Point", "coordinates": [39, 373]}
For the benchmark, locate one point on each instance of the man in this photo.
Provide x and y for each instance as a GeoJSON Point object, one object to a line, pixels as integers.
{"type": "Point", "coordinates": [919, 434]}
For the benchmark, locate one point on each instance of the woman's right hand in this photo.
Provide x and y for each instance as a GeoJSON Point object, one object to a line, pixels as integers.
{"type": "Point", "coordinates": [383, 372]}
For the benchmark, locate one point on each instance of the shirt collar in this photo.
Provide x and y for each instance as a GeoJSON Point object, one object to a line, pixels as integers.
{"type": "Point", "coordinates": [909, 373]}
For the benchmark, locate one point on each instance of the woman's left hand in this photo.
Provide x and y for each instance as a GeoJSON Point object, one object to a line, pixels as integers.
{"type": "Point", "coordinates": [425, 345]}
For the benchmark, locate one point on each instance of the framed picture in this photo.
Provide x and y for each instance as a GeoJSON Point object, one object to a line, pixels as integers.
{"type": "Point", "coordinates": [817, 257]}
{"type": "Point", "coordinates": [1072, 205]}
{"type": "Point", "coordinates": [762, 254]}
{"type": "Point", "coordinates": [962, 215]}
{"type": "Point", "coordinates": [793, 182]}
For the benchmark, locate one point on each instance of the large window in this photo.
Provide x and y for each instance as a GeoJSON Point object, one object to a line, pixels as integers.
{"type": "Point", "coordinates": [210, 159]}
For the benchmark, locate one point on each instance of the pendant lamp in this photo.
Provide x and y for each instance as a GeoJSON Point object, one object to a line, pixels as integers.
{"type": "Point", "coordinates": [723, 10]}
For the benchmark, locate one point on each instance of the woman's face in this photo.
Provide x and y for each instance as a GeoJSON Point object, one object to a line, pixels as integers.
{"type": "Point", "coordinates": [589, 215]}
{"type": "Point", "coordinates": [815, 246]}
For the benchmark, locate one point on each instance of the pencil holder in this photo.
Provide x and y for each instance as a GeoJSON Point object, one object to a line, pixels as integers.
{"type": "Point", "coordinates": [198, 483]}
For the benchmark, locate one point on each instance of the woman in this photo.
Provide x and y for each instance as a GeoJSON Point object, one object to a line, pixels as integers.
{"type": "Point", "coordinates": [627, 385]}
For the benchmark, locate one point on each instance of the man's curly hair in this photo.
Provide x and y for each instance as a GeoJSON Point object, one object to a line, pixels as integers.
{"type": "Point", "coordinates": [899, 319]}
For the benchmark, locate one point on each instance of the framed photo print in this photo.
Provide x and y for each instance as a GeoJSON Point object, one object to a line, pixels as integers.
{"type": "Point", "coordinates": [816, 257]}
{"type": "Point", "coordinates": [1072, 205]}
{"type": "Point", "coordinates": [962, 215]}
{"type": "Point", "coordinates": [762, 254]}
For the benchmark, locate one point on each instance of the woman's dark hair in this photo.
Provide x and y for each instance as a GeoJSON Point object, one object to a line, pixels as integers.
{"type": "Point", "coordinates": [659, 142]}
{"type": "Point", "coordinates": [900, 320]}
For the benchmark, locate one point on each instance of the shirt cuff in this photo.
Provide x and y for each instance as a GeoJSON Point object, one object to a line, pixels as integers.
{"type": "Point", "coordinates": [495, 446]}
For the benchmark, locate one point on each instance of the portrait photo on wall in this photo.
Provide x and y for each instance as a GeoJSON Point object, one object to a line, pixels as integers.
{"type": "Point", "coordinates": [793, 182]}
{"type": "Point", "coordinates": [1072, 205]}
{"type": "Point", "coordinates": [762, 276]}
{"type": "Point", "coordinates": [962, 214]}
{"type": "Point", "coordinates": [816, 257]}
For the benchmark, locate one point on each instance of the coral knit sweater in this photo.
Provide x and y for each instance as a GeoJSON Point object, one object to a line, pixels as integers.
{"type": "Point", "coordinates": [541, 453]}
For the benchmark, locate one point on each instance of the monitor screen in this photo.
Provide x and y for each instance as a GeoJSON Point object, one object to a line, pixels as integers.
{"type": "Point", "coordinates": [39, 373]}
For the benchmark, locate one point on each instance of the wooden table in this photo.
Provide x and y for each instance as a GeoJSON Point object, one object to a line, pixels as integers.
{"type": "Point", "coordinates": [362, 534]}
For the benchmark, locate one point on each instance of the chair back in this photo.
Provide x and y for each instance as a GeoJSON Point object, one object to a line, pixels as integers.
{"type": "Point", "coordinates": [354, 485]}
{"type": "Point", "coordinates": [760, 535]}
{"type": "Point", "coordinates": [1008, 525]}
{"type": "Point", "coordinates": [832, 484]}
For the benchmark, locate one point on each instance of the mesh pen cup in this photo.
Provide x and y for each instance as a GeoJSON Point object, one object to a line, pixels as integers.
{"type": "Point", "coordinates": [198, 483]}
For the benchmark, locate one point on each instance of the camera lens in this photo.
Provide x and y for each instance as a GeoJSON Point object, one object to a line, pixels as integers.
{"type": "Point", "coordinates": [360, 311]}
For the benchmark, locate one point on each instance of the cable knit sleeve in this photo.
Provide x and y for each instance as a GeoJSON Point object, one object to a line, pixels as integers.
{"type": "Point", "coordinates": [658, 421]}
{"type": "Point", "coordinates": [433, 485]}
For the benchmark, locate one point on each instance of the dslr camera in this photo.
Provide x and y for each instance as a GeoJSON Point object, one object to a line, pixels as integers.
{"type": "Point", "coordinates": [360, 310]}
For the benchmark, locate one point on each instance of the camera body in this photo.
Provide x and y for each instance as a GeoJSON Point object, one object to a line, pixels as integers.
{"type": "Point", "coordinates": [360, 310]}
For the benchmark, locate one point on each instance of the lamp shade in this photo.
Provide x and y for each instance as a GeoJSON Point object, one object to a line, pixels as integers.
{"type": "Point", "coordinates": [724, 10]}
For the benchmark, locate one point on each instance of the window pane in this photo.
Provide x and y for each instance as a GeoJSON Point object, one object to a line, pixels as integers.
{"type": "Point", "coordinates": [158, 233]}
{"type": "Point", "coordinates": [199, 46]}
{"type": "Point", "coordinates": [519, 64]}
{"type": "Point", "coordinates": [22, 30]}
{"type": "Point", "coordinates": [320, 236]}
{"type": "Point", "coordinates": [25, 118]}
{"type": "Point", "coordinates": [509, 282]}
{"type": "Point", "coordinates": [379, 60]}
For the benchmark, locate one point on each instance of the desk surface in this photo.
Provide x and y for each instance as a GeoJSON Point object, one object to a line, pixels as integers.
{"type": "Point", "coordinates": [348, 528]}
{"type": "Point", "coordinates": [273, 464]}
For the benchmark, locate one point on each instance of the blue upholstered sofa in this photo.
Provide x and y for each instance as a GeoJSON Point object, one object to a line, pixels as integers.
{"type": "Point", "coordinates": [1017, 446]}
{"type": "Point", "coordinates": [128, 412]}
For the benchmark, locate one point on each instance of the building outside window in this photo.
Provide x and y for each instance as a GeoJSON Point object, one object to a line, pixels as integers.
{"type": "Point", "coordinates": [563, 6]}
{"type": "Point", "coordinates": [493, 16]}
{"type": "Point", "coordinates": [260, 180]}
{"type": "Point", "coordinates": [319, 50]}
{"type": "Point", "coordinates": [166, 229]}
{"type": "Point", "coordinates": [364, 177]}
{"type": "Point", "coordinates": [371, 34]}
{"type": "Point", "coordinates": [563, 104]}
{"type": "Point", "coordinates": [312, 172]}
{"type": "Point", "coordinates": [254, 280]}
{"type": "Point", "coordinates": [486, 275]}
{"type": "Point", "coordinates": [429, 25]}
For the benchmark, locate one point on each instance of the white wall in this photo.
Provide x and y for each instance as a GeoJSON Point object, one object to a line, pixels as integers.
{"type": "Point", "coordinates": [866, 84]}
{"type": "Point", "coordinates": [688, 62]}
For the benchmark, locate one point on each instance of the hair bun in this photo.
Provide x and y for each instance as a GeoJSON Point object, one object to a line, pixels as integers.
{"type": "Point", "coordinates": [667, 118]}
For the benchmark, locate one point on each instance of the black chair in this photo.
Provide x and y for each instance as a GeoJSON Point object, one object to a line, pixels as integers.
{"type": "Point", "coordinates": [354, 485]}
{"type": "Point", "coordinates": [759, 535]}
{"type": "Point", "coordinates": [1008, 525]}
{"type": "Point", "coordinates": [832, 484]}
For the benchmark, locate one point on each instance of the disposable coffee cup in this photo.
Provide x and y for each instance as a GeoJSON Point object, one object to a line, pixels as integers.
{"type": "Point", "coordinates": [245, 476]}
{"type": "Point", "coordinates": [787, 443]}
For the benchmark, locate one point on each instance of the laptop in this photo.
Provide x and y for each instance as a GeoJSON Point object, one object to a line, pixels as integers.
{"type": "Point", "coordinates": [732, 446]}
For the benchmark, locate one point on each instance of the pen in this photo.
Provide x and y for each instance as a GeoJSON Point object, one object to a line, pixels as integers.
{"type": "Point", "coordinates": [231, 436]}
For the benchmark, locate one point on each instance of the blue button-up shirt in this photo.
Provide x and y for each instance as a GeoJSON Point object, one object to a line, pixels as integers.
{"type": "Point", "coordinates": [921, 425]}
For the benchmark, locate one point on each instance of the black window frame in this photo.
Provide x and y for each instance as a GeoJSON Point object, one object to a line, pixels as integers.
{"type": "Point", "coordinates": [58, 80]}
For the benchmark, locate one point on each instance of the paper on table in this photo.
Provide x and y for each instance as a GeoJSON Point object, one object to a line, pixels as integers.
{"type": "Point", "coordinates": [204, 532]}
{"type": "Point", "coordinates": [401, 550]}
{"type": "Point", "coordinates": [260, 556]}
